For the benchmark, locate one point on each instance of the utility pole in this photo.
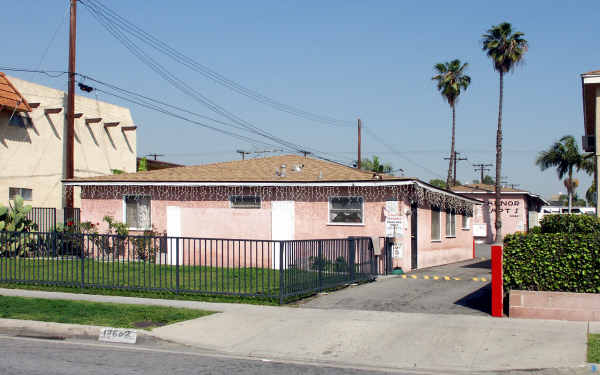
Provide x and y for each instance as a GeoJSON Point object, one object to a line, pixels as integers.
{"type": "Point", "coordinates": [358, 162]}
{"type": "Point", "coordinates": [481, 167]}
{"type": "Point", "coordinates": [155, 155]}
{"type": "Point", "coordinates": [454, 166]}
{"type": "Point", "coordinates": [70, 149]}
{"type": "Point", "coordinates": [243, 153]}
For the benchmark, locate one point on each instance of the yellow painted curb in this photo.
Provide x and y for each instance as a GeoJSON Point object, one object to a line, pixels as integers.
{"type": "Point", "coordinates": [436, 277]}
{"type": "Point", "coordinates": [475, 279]}
{"type": "Point", "coordinates": [414, 276]}
{"type": "Point", "coordinates": [404, 276]}
{"type": "Point", "coordinates": [483, 279]}
{"type": "Point", "coordinates": [446, 277]}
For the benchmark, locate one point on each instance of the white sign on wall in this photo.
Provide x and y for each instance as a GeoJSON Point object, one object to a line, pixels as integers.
{"type": "Point", "coordinates": [391, 208]}
{"type": "Point", "coordinates": [394, 225]}
{"type": "Point", "coordinates": [479, 230]}
{"type": "Point", "coordinates": [397, 251]}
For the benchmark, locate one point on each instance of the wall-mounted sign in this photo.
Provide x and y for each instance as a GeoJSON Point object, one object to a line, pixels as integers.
{"type": "Point", "coordinates": [479, 230]}
{"type": "Point", "coordinates": [397, 251]}
{"type": "Point", "coordinates": [391, 208]}
{"type": "Point", "coordinates": [394, 226]}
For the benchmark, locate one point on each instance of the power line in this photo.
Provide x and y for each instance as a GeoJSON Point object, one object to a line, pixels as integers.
{"type": "Point", "coordinates": [120, 22]}
{"type": "Point", "coordinates": [383, 142]}
{"type": "Point", "coordinates": [188, 90]}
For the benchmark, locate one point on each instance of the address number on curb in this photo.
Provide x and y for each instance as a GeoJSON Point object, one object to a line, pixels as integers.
{"type": "Point", "coordinates": [122, 335]}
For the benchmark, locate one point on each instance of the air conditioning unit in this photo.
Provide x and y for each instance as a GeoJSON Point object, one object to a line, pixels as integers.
{"type": "Point", "coordinates": [588, 142]}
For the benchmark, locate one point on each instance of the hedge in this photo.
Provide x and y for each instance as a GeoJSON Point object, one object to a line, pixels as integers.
{"type": "Point", "coordinates": [561, 262]}
{"type": "Point", "coordinates": [570, 224]}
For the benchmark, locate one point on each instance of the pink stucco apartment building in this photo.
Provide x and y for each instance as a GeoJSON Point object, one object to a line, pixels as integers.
{"type": "Point", "coordinates": [519, 210]}
{"type": "Point", "coordinates": [288, 197]}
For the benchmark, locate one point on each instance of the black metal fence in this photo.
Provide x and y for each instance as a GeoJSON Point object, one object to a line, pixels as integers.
{"type": "Point", "coordinates": [44, 217]}
{"type": "Point", "coordinates": [278, 270]}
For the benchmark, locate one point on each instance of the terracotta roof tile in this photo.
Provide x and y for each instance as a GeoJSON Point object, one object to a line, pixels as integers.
{"type": "Point", "coordinates": [298, 169]}
{"type": "Point", "coordinates": [11, 97]}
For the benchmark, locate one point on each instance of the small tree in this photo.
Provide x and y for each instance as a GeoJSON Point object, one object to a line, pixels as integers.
{"type": "Point", "coordinates": [375, 165]}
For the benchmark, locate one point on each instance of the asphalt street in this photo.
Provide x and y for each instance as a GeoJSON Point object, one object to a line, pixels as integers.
{"type": "Point", "coordinates": [25, 356]}
{"type": "Point", "coordinates": [422, 294]}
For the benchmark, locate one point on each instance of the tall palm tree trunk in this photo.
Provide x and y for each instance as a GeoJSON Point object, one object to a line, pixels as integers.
{"type": "Point", "coordinates": [449, 181]}
{"type": "Point", "coordinates": [570, 188]}
{"type": "Point", "coordinates": [498, 223]}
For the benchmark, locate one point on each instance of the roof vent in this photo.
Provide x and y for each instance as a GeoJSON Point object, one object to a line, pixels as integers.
{"type": "Point", "coordinates": [282, 170]}
{"type": "Point", "coordinates": [320, 175]}
{"type": "Point", "coordinates": [298, 167]}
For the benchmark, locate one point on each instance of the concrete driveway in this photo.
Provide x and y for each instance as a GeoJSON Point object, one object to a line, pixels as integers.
{"type": "Point", "coordinates": [418, 292]}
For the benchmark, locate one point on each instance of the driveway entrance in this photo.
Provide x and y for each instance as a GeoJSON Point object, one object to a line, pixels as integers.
{"type": "Point", "coordinates": [459, 288]}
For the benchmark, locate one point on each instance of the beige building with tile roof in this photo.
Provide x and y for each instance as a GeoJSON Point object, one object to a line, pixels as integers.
{"type": "Point", "coordinates": [32, 141]}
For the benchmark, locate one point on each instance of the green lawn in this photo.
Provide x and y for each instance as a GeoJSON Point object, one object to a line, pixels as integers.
{"type": "Point", "coordinates": [94, 313]}
{"type": "Point", "coordinates": [140, 278]}
{"type": "Point", "coordinates": [593, 354]}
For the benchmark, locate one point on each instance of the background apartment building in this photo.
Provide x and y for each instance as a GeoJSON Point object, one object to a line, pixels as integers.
{"type": "Point", "coordinates": [33, 143]}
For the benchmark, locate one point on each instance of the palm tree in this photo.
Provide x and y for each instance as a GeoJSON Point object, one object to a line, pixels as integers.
{"type": "Point", "coordinates": [564, 155]}
{"type": "Point", "coordinates": [506, 49]}
{"type": "Point", "coordinates": [451, 79]}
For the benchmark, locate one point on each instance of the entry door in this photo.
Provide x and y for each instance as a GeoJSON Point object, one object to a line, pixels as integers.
{"type": "Point", "coordinates": [413, 236]}
{"type": "Point", "coordinates": [282, 225]}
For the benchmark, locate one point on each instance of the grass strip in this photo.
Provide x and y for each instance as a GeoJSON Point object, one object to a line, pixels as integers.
{"type": "Point", "coordinates": [94, 313]}
{"type": "Point", "coordinates": [593, 353]}
{"type": "Point", "coordinates": [146, 294]}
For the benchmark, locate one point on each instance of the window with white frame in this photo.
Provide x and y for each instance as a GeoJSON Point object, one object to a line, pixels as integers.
{"type": "Point", "coordinates": [450, 223]}
{"type": "Point", "coordinates": [25, 193]}
{"type": "Point", "coordinates": [244, 201]}
{"type": "Point", "coordinates": [345, 210]}
{"type": "Point", "coordinates": [435, 224]}
{"type": "Point", "coordinates": [466, 221]}
{"type": "Point", "coordinates": [137, 211]}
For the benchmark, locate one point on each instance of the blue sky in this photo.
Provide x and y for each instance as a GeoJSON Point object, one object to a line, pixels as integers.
{"type": "Point", "coordinates": [344, 59]}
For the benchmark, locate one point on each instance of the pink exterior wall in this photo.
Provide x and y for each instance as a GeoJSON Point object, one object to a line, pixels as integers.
{"type": "Point", "coordinates": [514, 214]}
{"type": "Point", "coordinates": [554, 305]}
{"type": "Point", "coordinates": [447, 249]}
{"type": "Point", "coordinates": [212, 218]}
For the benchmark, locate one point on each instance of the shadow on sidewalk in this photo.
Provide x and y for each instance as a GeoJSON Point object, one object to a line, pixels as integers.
{"type": "Point", "coordinates": [478, 300]}
{"type": "Point", "coordinates": [483, 264]}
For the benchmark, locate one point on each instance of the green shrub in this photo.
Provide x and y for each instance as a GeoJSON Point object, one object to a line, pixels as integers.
{"type": "Point", "coordinates": [570, 224]}
{"type": "Point", "coordinates": [565, 262]}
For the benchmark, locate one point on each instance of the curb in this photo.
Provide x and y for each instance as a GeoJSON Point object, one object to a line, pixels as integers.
{"type": "Point", "coordinates": [62, 331]}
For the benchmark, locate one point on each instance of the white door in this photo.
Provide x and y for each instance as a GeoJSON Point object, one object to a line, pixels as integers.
{"type": "Point", "coordinates": [282, 225]}
{"type": "Point", "coordinates": [173, 230]}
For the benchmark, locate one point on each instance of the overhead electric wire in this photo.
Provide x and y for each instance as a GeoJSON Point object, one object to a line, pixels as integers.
{"type": "Point", "coordinates": [392, 149]}
{"type": "Point", "coordinates": [188, 90]}
{"type": "Point", "coordinates": [116, 19]}
{"type": "Point", "coordinates": [49, 73]}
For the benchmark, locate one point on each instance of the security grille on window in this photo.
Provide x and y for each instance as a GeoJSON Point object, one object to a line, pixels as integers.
{"type": "Point", "coordinates": [435, 224]}
{"type": "Point", "coordinates": [244, 201]}
{"type": "Point", "coordinates": [450, 223]}
{"type": "Point", "coordinates": [137, 212]}
{"type": "Point", "coordinates": [26, 194]}
{"type": "Point", "coordinates": [346, 210]}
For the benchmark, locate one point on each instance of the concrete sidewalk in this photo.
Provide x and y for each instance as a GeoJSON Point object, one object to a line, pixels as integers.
{"type": "Point", "coordinates": [416, 341]}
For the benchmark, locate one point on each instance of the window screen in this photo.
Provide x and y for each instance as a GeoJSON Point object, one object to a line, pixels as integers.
{"type": "Point", "coordinates": [466, 221]}
{"type": "Point", "coordinates": [25, 193]}
{"type": "Point", "coordinates": [137, 212]}
{"type": "Point", "coordinates": [435, 224]}
{"type": "Point", "coordinates": [244, 201]}
{"type": "Point", "coordinates": [346, 210]}
{"type": "Point", "coordinates": [450, 223]}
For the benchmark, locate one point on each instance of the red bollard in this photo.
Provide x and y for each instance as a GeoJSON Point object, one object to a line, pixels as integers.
{"type": "Point", "coordinates": [497, 287]}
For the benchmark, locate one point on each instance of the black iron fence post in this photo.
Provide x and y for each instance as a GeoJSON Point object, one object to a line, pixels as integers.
{"type": "Point", "coordinates": [81, 241]}
{"type": "Point", "coordinates": [351, 256]}
{"type": "Point", "coordinates": [281, 286]}
{"type": "Point", "coordinates": [177, 265]}
{"type": "Point", "coordinates": [321, 263]}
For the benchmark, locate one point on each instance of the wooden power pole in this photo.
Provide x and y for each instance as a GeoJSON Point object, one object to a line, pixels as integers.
{"type": "Point", "coordinates": [70, 172]}
{"type": "Point", "coordinates": [358, 161]}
